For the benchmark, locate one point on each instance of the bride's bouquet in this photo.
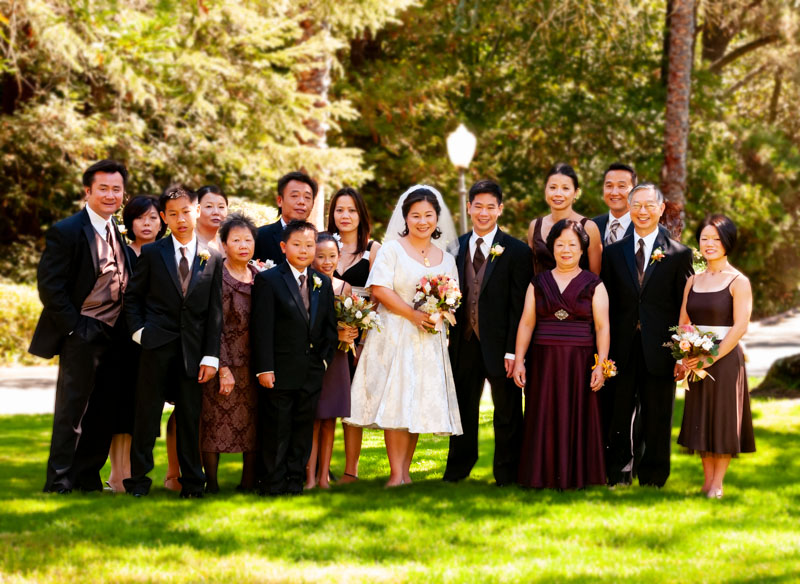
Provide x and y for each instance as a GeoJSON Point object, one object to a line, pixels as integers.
{"type": "Point", "coordinates": [439, 297]}
{"type": "Point", "coordinates": [689, 341]}
{"type": "Point", "coordinates": [355, 311]}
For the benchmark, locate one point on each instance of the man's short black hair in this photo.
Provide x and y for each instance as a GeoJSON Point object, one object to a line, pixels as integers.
{"type": "Point", "coordinates": [621, 166]}
{"type": "Point", "coordinates": [108, 166]}
{"type": "Point", "coordinates": [175, 191]}
{"type": "Point", "coordinates": [298, 176]}
{"type": "Point", "coordinates": [296, 225]}
{"type": "Point", "coordinates": [488, 187]}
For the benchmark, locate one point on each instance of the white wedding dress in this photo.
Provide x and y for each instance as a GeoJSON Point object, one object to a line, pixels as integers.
{"type": "Point", "coordinates": [403, 379]}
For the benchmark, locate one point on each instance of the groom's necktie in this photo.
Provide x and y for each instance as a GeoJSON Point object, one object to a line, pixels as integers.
{"type": "Point", "coordinates": [640, 260]}
{"type": "Point", "coordinates": [478, 258]}
{"type": "Point", "coordinates": [612, 234]}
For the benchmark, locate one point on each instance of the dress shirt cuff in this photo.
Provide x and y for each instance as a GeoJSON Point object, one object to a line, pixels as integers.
{"type": "Point", "coordinates": [263, 372]}
{"type": "Point", "coordinates": [137, 336]}
{"type": "Point", "coordinates": [210, 362]}
{"type": "Point", "coordinates": [510, 356]}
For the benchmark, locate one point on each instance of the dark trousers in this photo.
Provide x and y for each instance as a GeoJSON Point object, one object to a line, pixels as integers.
{"type": "Point", "coordinates": [161, 373]}
{"type": "Point", "coordinates": [469, 373]}
{"type": "Point", "coordinates": [637, 412]}
{"type": "Point", "coordinates": [87, 371]}
{"type": "Point", "coordinates": [286, 417]}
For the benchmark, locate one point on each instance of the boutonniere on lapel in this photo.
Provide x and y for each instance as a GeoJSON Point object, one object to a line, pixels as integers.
{"type": "Point", "coordinates": [496, 250]}
{"type": "Point", "coordinates": [203, 254]}
{"type": "Point", "coordinates": [656, 256]}
{"type": "Point", "coordinates": [317, 283]}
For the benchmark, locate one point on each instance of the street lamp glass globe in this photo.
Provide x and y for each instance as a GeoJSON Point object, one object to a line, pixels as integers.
{"type": "Point", "coordinates": [461, 147]}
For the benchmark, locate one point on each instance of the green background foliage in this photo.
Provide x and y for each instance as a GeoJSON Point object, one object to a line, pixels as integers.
{"type": "Point", "coordinates": [223, 92]}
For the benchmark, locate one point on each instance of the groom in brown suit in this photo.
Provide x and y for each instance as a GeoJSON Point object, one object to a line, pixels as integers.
{"type": "Point", "coordinates": [494, 270]}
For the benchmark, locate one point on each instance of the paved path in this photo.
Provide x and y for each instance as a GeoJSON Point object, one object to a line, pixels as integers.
{"type": "Point", "coordinates": [31, 390]}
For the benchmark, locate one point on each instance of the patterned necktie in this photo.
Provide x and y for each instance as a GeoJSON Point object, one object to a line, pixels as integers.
{"type": "Point", "coordinates": [479, 258]}
{"type": "Point", "coordinates": [612, 234]}
{"type": "Point", "coordinates": [640, 260]}
{"type": "Point", "coordinates": [304, 291]}
{"type": "Point", "coordinates": [183, 265]}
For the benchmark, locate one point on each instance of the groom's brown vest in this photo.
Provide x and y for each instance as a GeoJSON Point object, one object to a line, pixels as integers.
{"type": "Point", "coordinates": [472, 284]}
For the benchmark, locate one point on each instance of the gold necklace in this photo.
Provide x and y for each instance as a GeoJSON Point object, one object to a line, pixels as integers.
{"type": "Point", "coordinates": [425, 259]}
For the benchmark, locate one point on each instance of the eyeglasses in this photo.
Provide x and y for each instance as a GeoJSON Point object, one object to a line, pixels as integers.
{"type": "Point", "coordinates": [649, 206]}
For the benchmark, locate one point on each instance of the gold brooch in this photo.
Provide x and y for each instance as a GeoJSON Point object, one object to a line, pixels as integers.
{"type": "Point", "coordinates": [561, 314]}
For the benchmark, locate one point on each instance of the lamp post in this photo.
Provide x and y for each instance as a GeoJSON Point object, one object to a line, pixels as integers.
{"type": "Point", "coordinates": [461, 149]}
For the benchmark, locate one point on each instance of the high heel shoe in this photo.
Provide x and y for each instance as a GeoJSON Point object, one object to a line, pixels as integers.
{"type": "Point", "coordinates": [714, 494]}
{"type": "Point", "coordinates": [172, 484]}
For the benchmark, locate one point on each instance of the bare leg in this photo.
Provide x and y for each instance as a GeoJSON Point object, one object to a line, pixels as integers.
{"type": "Point", "coordinates": [353, 436]}
{"type": "Point", "coordinates": [173, 466]}
{"type": "Point", "coordinates": [248, 471]}
{"type": "Point", "coordinates": [397, 451]}
{"type": "Point", "coordinates": [326, 433]}
{"type": "Point", "coordinates": [410, 448]}
{"type": "Point", "coordinates": [720, 468]}
{"type": "Point", "coordinates": [210, 466]}
{"type": "Point", "coordinates": [117, 454]}
{"type": "Point", "coordinates": [311, 467]}
{"type": "Point", "coordinates": [708, 472]}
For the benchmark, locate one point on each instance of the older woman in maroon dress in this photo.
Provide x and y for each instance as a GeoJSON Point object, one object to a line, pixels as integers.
{"type": "Point", "coordinates": [565, 317]}
{"type": "Point", "coordinates": [228, 422]}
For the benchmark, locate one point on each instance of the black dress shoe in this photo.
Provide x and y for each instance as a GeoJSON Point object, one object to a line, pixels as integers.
{"type": "Point", "coordinates": [294, 488]}
{"type": "Point", "coordinates": [191, 494]}
{"type": "Point", "coordinates": [212, 490]}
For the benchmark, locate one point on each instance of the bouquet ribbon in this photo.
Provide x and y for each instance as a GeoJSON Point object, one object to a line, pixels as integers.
{"type": "Point", "coordinates": [346, 346]}
{"type": "Point", "coordinates": [439, 318]}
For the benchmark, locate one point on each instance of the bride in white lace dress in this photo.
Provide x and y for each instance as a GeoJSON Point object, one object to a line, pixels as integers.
{"type": "Point", "coordinates": [403, 382]}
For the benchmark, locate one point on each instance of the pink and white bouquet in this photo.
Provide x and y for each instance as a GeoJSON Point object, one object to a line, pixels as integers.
{"type": "Point", "coordinates": [690, 341]}
{"type": "Point", "coordinates": [439, 297]}
{"type": "Point", "coordinates": [353, 310]}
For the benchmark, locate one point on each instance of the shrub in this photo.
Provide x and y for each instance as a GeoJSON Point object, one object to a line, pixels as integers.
{"type": "Point", "coordinates": [19, 312]}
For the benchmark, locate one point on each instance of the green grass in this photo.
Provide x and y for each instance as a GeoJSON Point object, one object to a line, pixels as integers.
{"type": "Point", "coordinates": [427, 532]}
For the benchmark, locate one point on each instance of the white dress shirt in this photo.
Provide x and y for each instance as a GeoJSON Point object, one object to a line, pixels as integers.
{"type": "Point", "coordinates": [191, 251]}
{"type": "Point", "coordinates": [624, 223]}
{"type": "Point", "coordinates": [649, 242]}
{"type": "Point", "coordinates": [99, 223]}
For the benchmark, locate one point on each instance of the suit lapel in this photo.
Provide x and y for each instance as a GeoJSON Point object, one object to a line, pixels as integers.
{"type": "Point", "coordinates": [197, 267]}
{"type": "Point", "coordinates": [276, 234]}
{"type": "Point", "coordinates": [294, 289]}
{"type": "Point", "coordinates": [89, 232]}
{"type": "Point", "coordinates": [630, 258]}
{"type": "Point", "coordinates": [314, 297]}
{"type": "Point", "coordinates": [461, 258]}
{"type": "Point", "coordinates": [491, 259]}
{"type": "Point", "coordinates": [167, 250]}
{"type": "Point", "coordinates": [650, 266]}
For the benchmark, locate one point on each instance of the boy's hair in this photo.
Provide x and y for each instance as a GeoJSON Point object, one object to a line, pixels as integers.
{"type": "Point", "coordinates": [175, 191]}
{"type": "Point", "coordinates": [296, 225]}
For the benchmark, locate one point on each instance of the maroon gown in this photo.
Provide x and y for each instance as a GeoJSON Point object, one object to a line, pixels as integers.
{"type": "Point", "coordinates": [563, 443]}
{"type": "Point", "coordinates": [716, 413]}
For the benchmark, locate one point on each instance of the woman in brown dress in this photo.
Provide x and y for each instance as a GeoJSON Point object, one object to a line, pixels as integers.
{"type": "Point", "coordinates": [716, 418]}
{"type": "Point", "coordinates": [561, 190]}
{"type": "Point", "coordinates": [228, 422]}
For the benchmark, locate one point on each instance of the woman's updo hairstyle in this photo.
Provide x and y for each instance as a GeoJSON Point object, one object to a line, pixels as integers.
{"type": "Point", "coordinates": [725, 228]}
{"type": "Point", "coordinates": [418, 196]}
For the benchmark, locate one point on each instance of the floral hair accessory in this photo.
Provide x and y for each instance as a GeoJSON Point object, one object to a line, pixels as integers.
{"type": "Point", "coordinates": [496, 250]}
{"type": "Point", "coordinates": [656, 256]}
{"type": "Point", "coordinates": [317, 282]}
{"type": "Point", "coordinates": [338, 239]}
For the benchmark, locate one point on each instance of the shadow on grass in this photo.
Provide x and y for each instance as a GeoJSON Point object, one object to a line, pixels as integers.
{"type": "Point", "coordinates": [366, 523]}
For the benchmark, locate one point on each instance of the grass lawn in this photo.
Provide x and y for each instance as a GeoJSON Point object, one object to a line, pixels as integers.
{"type": "Point", "coordinates": [427, 532]}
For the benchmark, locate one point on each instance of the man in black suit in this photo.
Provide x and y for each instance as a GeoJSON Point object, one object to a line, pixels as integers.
{"type": "Point", "coordinates": [293, 338]}
{"type": "Point", "coordinates": [494, 270]}
{"type": "Point", "coordinates": [645, 274]}
{"type": "Point", "coordinates": [296, 194]}
{"type": "Point", "coordinates": [618, 181]}
{"type": "Point", "coordinates": [82, 276]}
{"type": "Point", "coordinates": [174, 308]}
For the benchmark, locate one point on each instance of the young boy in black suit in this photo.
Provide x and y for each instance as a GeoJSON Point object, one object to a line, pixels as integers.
{"type": "Point", "coordinates": [293, 339]}
{"type": "Point", "coordinates": [173, 307]}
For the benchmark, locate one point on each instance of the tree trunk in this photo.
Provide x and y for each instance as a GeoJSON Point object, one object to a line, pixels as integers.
{"type": "Point", "coordinates": [676, 131]}
{"type": "Point", "coordinates": [316, 81]}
